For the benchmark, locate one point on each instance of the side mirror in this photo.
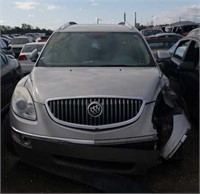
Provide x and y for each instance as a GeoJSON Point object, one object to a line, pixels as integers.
{"type": "Point", "coordinates": [34, 55]}
{"type": "Point", "coordinates": [163, 60]}
{"type": "Point", "coordinates": [162, 56]}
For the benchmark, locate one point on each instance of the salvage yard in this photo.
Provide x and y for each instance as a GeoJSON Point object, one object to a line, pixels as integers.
{"type": "Point", "coordinates": [100, 96]}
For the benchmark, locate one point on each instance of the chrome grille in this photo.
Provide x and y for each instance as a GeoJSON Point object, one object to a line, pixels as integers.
{"type": "Point", "coordinates": [75, 111]}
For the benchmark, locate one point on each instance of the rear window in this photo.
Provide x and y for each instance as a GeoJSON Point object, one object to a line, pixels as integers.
{"type": "Point", "coordinates": [19, 41]}
{"type": "Point", "coordinates": [30, 48]}
{"type": "Point", "coordinates": [151, 32]}
{"type": "Point", "coordinates": [95, 49]}
{"type": "Point", "coordinates": [161, 43]}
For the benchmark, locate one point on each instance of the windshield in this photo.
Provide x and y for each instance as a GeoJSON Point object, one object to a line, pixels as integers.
{"type": "Point", "coordinates": [29, 48]}
{"type": "Point", "coordinates": [95, 49]}
{"type": "Point", "coordinates": [19, 41]}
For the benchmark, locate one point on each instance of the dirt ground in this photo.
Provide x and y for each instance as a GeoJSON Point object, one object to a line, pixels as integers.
{"type": "Point", "coordinates": [181, 177]}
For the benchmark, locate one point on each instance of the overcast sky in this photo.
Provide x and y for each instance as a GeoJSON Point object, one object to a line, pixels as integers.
{"type": "Point", "coordinates": [53, 13]}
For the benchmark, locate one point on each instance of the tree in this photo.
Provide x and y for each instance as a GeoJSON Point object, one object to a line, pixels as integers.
{"type": "Point", "coordinates": [26, 27]}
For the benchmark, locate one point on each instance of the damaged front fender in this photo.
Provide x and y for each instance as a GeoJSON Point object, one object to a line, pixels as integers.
{"type": "Point", "coordinates": [170, 121]}
{"type": "Point", "coordinates": [180, 127]}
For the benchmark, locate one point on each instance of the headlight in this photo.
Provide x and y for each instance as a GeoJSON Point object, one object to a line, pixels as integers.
{"type": "Point", "coordinates": [22, 104]}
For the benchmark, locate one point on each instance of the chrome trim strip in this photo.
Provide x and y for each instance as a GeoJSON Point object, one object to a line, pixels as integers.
{"type": "Point", "coordinates": [77, 141]}
{"type": "Point", "coordinates": [89, 127]}
{"type": "Point", "coordinates": [92, 142]}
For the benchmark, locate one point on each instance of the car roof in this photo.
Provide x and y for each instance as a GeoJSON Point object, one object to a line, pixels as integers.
{"type": "Point", "coordinates": [20, 37]}
{"type": "Point", "coordinates": [167, 34]}
{"type": "Point", "coordinates": [97, 28]}
{"type": "Point", "coordinates": [195, 31]}
{"type": "Point", "coordinates": [151, 29]}
{"type": "Point", "coordinates": [193, 36]}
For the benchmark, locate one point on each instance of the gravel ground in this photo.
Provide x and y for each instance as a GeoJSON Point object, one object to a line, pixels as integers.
{"type": "Point", "coordinates": [168, 177]}
{"type": "Point", "coordinates": [180, 177]}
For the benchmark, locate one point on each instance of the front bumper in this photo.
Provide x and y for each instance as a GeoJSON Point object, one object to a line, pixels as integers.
{"type": "Point", "coordinates": [119, 158]}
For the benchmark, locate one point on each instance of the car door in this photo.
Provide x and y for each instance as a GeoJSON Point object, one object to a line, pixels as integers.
{"type": "Point", "coordinates": [188, 51]}
{"type": "Point", "coordinates": [188, 80]}
{"type": "Point", "coordinates": [7, 82]}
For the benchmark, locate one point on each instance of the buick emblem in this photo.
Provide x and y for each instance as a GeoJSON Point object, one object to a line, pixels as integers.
{"type": "Point", "coordinates": [94, 109]}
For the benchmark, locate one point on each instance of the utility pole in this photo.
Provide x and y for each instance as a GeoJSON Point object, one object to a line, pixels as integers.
{"type": "Point", "coordinates": [135, 19]}
{"type": "Point", "coordinates": [98, 19]}
{"type": "Point", "coordinates": [124, 17]}
{"type": "Point", "coordinates": [152, 20]}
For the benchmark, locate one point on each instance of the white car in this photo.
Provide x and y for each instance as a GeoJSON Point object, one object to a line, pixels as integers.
{"type": "Point", "coordinates": [24, 56]}
{"type": "Point", "coordinates": [167, 35]}
{"type": "Point", "coordinates": [18, 42]}
{"type": "Point", "coordinates": [196, 31]}
{"type": "Point", "coordinates": [96, 100]}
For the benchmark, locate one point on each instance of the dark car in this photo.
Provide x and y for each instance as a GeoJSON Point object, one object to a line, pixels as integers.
{"type": "Point", "coordinates": [181, 65]}
{"type": "Point", "coordinates": [5, 48]}
{"type": "Point", "coordinates": [9, 77]}
{"type": "Point", "coordinates": [182, 27]}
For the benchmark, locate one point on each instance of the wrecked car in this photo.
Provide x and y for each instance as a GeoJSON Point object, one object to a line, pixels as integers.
{"type": "Point", "coordinates": [96, 100]}
{"type": "Point", "coordinates": [181, 65]}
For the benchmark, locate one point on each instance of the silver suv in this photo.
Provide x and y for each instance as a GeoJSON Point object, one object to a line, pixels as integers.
{"type": "Point", "coordinates": [96, 100]}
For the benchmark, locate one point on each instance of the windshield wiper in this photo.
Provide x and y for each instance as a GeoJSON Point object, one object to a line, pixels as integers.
{"type": "Point", "coordinates": [117, 65]}
{"type": "Point", "coordinates": [86, 62]}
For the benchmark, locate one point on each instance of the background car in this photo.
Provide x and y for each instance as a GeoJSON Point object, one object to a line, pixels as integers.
{"type": "Point", "coordinates": [42, 39]}
{"type": "Point", "coordinates": [160, 43]}
{"type": "Point", "coordinates": [181, 65]}
{"type": "Point", "coordinates": [181, 27]}
{"type": "Point", "coordinates": [148, 32]}
{"type": "Point", "coordinates": [24, 56]}
{"type": "Point", "coordinates": [167, 35]}
{"type": "Point", "coordinates": [18, 42]}
{"type": "Point", "coordinates": [196, 31]}
{"type": "Point", "coordinates": [10, 75]}
{"type": "Point", "coordinates": [5, 48]}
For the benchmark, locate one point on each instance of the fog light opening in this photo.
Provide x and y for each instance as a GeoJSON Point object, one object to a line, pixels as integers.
{"type": "Point", "coordinates": [26, 141]}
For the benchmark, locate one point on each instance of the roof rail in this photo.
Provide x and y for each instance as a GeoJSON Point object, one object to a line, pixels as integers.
{"type": "Point", "coordinates": [126, 24]}
{"type": "Point", "coordinates": [66, 25]}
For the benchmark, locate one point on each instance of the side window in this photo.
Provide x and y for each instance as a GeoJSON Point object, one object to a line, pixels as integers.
{"type": "Point", "coordinates": [193, 53]}
{"type": "Point", "coordinates": [181, 50]}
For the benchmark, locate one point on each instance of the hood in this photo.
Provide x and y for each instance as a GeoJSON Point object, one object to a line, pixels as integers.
{"type": "Point", "coordinates": [141, 82]}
